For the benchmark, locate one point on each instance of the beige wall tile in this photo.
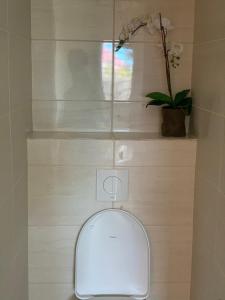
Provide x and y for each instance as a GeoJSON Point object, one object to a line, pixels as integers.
{"type": "Point", "coordinates": [155, 153]}
{"type": "Point", "coordinates": [4, 74]}
{"type": "Point", "coordinates": [19, 17]}
{"type": "Point", "coordinates": [15, 81]}
{"type": "Point", "coordinates": [51, 254]}
{"type": "Point", "coordinates": [20, 215]}
{"type": "Point", "coordinates": [3, 14]}
{"type": "Point", "coordinates": [208, 251]}
{"type": "Point", "coordinates": [72, 116]}
{"type": "Point", "coordinates": [5, 159]}
{"type": "Point", "coordinates": [161, 291]}
{"type": "Point", "coordinates": [184, 21]}
{"type": "Point", "coordinates": [171, 263]}
{"type": "Point", "coordinates": [173, 291]}
{"type": "Point", "coordinates": [208, 78]}
{"type": "Point", "coordinates": [139, 69]}
{"type": "Point", "coordinates": [62, 195]}
{"type": "Point", "coordinates": [77, 20]}
{"type": "Point", "coordinates": [209, 20]}
{"type": "Point", "coordinates": [210, 129]}
{"type": "Point", "coordinates": [206, 197]}
{"type": "Point", "coordinates": [72, 70]}
{"type": "Point", "coordinates": [20, 71]}
{"type": "Point", "coordinates": [222, 177]}
{"type": "Point", "coordinates": [19, 145]}
{"type": "Point", "coordinates": [166, 184]}
{"type": "Point", "coordinates": [51, 292]}
{"type": "Point", "coordinates": [170, 234]}
{"type": "Point", "coordinates": [220, 233]}
{"type": "Point", "coordinates": [70, 152]}
{"type": "Point", "coordinates": [134, 117]}
{"type": "Point", "coordinates": [7, 251]}
{"type": "Point", "coordinates": [157, 213]}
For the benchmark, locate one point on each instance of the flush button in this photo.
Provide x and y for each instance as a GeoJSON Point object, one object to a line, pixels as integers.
{"type": "Point", "coordinates": [112, 185]}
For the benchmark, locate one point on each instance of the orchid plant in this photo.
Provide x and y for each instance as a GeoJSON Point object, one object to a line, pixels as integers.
{"type": "Point", "coordinates": [172, 56]}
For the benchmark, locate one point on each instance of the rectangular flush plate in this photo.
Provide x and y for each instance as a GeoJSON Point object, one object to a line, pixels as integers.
{"type": "Point", "coordinates": [112, 185]}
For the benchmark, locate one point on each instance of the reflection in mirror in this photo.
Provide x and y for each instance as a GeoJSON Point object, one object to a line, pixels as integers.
{"type": "Point", "coordinates": [124, 63]}
{"type": "Point", "coordinates": [107, 70]}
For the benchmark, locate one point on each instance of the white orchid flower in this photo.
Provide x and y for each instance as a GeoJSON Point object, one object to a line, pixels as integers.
{"type": "Point", "coordinates": [176, 49]}
{"type": "Point", "coordinates": [166, 23]}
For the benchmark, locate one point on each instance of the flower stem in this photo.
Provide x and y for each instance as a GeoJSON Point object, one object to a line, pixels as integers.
{"type": "Point", "coordinates": [166, 55]}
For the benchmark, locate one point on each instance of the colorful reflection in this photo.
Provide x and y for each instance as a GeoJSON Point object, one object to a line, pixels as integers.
{"type": "Point", "coordinates": [123, 72]}
{"type": "Point", "coordinates": [107, 69]}
{"type": "Point", "coordinates": [124, 62]}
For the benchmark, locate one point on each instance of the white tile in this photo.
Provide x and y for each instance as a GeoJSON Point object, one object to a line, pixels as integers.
{"type": "Point", "coordinates": [135, 117]}
{"type": "Point", "coordinates": [183, 21]}
{"type": "Point", "coordinates": [72, 19]}
{"type": "Point", "coordinates": [140, 69]}
{"type": "Point", "coordinates": [70, 152]}
{"type": "Point", "coordinates": [4, 84]}
{"type": "Point", "coordinates": [86, 116]}
{"type": "Point", "coordinates": [72, 70]}
{"type": "Point", "coordinates": [62, 195]}
{"type": "Point", "coordinates": [156, 153]}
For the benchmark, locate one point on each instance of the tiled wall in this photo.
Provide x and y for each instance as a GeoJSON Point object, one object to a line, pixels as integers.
{"type": "Point", "coordinates": [62, 180]}
{"type": "Point", "coordinates": [81, 84]}
{"type": "Point", "coordinates": [208, 277]}
{"type": "Point", "coordinates": [15, 120]}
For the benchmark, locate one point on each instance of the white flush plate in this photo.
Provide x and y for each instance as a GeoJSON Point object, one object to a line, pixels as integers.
{"type": "Point", "coordinates": [112, 185]}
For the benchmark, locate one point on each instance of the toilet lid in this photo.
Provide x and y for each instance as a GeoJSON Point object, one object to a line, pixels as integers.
{"type": "Point", "coordinates": [112, 256]}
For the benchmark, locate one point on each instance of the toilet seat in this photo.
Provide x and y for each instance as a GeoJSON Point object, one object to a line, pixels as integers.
{"type": "Point", "coordinates": [112, 257]}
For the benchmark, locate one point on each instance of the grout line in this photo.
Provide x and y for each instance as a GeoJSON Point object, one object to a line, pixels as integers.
{"type": "Point", "coordinates": [208, 42]}
{"type": "Point", "coordinates": [10, 105]}
{"type": "Point", "coordinates": [88, 101]}
{"type": "Point", "coordinates": [154, 43]}
{"type": "Point", "coordinates": [209, 111]}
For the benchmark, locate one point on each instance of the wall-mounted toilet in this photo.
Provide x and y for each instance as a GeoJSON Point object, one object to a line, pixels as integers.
{"type": "Point", "coordinates": [112, 257]}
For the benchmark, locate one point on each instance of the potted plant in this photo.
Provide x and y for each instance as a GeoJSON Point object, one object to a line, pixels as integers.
{"type": "Point", "coordinates": [174, 107]}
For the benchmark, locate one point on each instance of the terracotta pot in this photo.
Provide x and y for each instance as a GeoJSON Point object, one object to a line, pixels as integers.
{"type": "Point", "coordinates": [173, 124]}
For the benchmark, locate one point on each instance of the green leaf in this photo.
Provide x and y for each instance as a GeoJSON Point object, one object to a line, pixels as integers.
{"type": "Point", "coordinates": [180, 96]}
{"type": "Point", "coordinates": [186, 104]}
{"type": "Point", "coordinates": [160, 97]}
{"type": "Point", "coordinates": [156, 102]}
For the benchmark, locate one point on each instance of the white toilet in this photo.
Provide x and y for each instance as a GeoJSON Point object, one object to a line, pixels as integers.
{"type": "Point", "coordinates": [112, 257]}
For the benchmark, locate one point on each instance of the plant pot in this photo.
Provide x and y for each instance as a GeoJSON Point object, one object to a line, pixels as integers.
{"type": "Point", "coordinates": [173, 124]}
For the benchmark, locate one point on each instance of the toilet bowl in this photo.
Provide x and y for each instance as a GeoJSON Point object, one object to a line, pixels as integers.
{"type": "Point", "coordinates": [112, 257]}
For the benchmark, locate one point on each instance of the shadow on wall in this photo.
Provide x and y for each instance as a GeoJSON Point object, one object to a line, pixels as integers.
{"type": "Point", "coordinates": [80, 69]}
